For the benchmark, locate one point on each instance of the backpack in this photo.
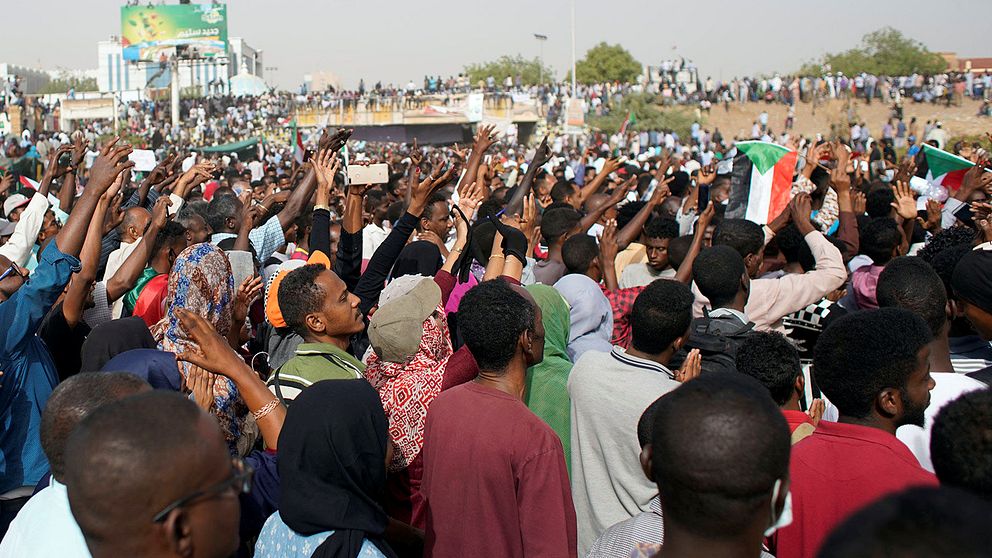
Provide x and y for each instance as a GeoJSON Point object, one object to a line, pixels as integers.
{"type": "Point", "coordinates": [717, 340]}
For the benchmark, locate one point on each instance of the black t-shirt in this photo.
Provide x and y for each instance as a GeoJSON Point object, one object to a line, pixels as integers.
{"type": "Point", "coordinates": [64, 343]}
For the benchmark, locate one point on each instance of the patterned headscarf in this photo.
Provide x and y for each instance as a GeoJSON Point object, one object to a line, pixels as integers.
{"type": "Point", "coordinates": [407, 389]}
{"type": "Point", "coordinates": [201, 282]}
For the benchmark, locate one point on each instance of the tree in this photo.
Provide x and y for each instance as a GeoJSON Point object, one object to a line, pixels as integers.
{"type": "Point", "coordinates": [63, 85]}
{"type": "Point", "coordinates": [605, 62]}
{"type": "Point", "coordinates": [647, 115]}
{"type": "Point", "coordinates": [530, 71]}
{"type": "Point", "coordinates": [883, 52]}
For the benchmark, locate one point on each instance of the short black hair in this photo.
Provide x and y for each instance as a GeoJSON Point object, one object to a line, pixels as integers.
{"type": "Point", "coordinates": [645, 424]}
{"type": "Point", "coordinates": [170, 233]}
{"type": "Point", "coordinates": [879, 238]}
{"type": "Point", "coordinates": [678, 249]}
{"type": "Point", "coordinates": [862, 353]}
{"type": "Point", "coordinates": [717, 272]}
{"type": "Point", "coordinates": [72, 401]}
{"type": "Point", "coordinates": [660, 227]}
{"type": "Point", "coordinates": [789, 242]}
{"type": "Point", "coordinates": [961, 443]}
{"type": "Point", "coordinates": [557, 222]}
{"type": "Point", "coordinates": [120, 462]}
{"type": "Point", "coordinates": [879, 201]}
{"type": "Point", "coordinates": [740, 234]}
{"type": "Point", "coordinates": [434, 199]}
{"type": "Point", "coordinates": [661, 314]}
{"type": "Point", "coordinates": [679, 184]}
{"type": "Point", "coordinates": [944, 263]}
{"type": "Point", "coordinates": [627, 211]}
{"type": "Point", "coordinates": [958, 235]}
{"type": "Point", "coordinates": [187, 217]}
{"type": "Point", "coordinates": [746, 451]}
{"type": "Point", "coordinates": [578, 253]}
{"type": "Point", "coordinates": [221, 209]}
{"type": "Point", "coordinates": [562, 190]}
{"type": "Point", "coordinates": [491, 317]}
{"type": "Point", "coordinates": [769, 357]}
{"type": "Point", "coordinates": [299, 295]}
{"type": "Point", "coordinates": [808, 261]}
{"type": "Point", "coordinates": [909, 282]}
{"type": "Point", "coordinates": [918, 522]}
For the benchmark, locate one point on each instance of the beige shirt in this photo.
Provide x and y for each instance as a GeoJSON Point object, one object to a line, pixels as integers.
{"type": "Point", "coordinates": [772, 299]}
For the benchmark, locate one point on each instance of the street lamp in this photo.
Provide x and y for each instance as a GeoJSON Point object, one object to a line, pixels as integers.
{"type": "Point", "coordinates": [540, 39]}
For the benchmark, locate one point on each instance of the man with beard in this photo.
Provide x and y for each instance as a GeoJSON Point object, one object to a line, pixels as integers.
{"type": "Point", "coordinates": [874, 367]}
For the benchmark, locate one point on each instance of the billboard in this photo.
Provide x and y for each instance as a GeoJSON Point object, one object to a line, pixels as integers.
{"type": "Point", "coordinates": [154, 32]}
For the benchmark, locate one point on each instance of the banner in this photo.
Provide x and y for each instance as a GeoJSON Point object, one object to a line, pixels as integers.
{"type": "Point", "coordinates": [151, 32]}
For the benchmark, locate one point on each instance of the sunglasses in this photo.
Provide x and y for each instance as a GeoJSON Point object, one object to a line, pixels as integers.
{"type": "Point", "coordinates": [240, 481]}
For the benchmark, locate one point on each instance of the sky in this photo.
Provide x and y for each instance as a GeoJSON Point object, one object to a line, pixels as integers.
{"type": "Point", "coordinates": [394, 41]}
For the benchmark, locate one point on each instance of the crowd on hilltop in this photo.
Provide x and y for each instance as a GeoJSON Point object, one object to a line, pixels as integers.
{"type": "Point", "coordinates": [578, 347]}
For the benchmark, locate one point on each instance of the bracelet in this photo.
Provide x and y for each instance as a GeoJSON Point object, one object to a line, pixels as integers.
{"type": "Point", "coordinates": [497, 256]}
{"type": "Point", "coordinates": [321, 206]}
{"type": "Point", "coordinates": [265, 410]}
{"type": "Point", "coordinates": [455, 250]}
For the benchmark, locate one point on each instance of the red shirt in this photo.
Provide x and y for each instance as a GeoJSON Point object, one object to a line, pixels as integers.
{"type": "Point", "coordinates": [495, 482]}
{"type": "Point", "coordinates": [795, 418]}
{"type": "Point", "coordinates": [837, 470]}
{"type": "Point", "coordinates": [622, 302]}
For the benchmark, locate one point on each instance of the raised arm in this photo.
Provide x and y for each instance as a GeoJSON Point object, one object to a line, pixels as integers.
{"type": "Point", "coordinates": [632, 230]}
{"type": "Point", "coordinates": [541, 156]}
{"type": "Point", "coordinates": [127, 274]}
{"type": "Point", "coordinates": [67, 194]}
{"type": "Point", "coordinates": [107, 167]}
{"type": "Point", "coordinates": [610, 166]}
{"type": "Point", "coordinates": [215, 355]}
{"type": "Point", "coordinates": [684, 273]}
{"type": "Point", "coordinates": [89, 257]}
{"type": "Point", "coordinates": [608, 249]}
{"type": "Point", "coordinates": [484, 139]}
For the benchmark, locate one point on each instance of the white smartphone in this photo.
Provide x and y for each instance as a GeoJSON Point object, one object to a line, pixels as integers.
{"type": "Point", "coordinates": [371, 174]}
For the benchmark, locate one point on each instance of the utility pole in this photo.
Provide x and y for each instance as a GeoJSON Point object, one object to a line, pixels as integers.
{"type": "Point", "coordinates": [573, 50]}
{"type": "Point", "coordinates": [540, 40]}
{"type": "Point", "coordinates": [174, 101]}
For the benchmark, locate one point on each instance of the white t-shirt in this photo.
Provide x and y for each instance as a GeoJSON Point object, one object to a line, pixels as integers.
{"type": "Point", "coordinates": [948, 387]}
{"type": "Point", "coordinates": [45, 527]}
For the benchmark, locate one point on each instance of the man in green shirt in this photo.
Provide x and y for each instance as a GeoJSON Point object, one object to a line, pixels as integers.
{"type": "Point", "coordinates": [169, 243]}
{"type": "Point", "coordinates": [316, 303]}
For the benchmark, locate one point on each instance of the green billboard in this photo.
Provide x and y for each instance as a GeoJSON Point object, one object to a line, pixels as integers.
{"type": "Point", "coordinates": [154, 32]}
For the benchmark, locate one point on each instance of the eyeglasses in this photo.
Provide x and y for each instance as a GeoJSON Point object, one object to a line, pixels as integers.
{"type": "Point", "coordinates": [11, 270]}
{"type": "Point", "coordinates": [240, 481]}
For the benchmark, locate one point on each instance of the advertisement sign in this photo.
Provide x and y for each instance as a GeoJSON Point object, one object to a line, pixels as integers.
{"type": "Point", "coordinates": [151, 32]}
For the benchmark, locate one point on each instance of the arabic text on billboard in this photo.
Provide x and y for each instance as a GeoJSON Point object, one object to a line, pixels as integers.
{"type": "Point", "coordinates": [154, 32]}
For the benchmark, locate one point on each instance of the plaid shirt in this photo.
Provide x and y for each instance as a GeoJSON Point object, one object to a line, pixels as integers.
{"type": "Point", "coordinates": [622, 302]}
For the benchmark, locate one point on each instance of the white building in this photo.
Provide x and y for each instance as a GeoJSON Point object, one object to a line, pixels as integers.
{"type": "Point", "coordinates": [31, 79]}
{"type": "Point", "coordinates": [208, 75]}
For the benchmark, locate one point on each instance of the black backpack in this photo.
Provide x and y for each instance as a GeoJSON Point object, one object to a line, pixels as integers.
{"type": "Point", "coordinates": [717, 340]}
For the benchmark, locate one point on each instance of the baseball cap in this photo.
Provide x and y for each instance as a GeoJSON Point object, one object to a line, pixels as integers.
{"type": "Point", "coordinates": [397, 327]}
{"type": "Point", "coordinates": [13, 202]}
{"type": "Point", "coordinates": [972, 279]}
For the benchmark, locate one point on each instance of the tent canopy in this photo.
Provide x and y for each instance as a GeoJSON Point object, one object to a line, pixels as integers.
{"type": "Point", "coordinates": [248, 85]}
{"type": "Point", "coordinates": [235, 147]}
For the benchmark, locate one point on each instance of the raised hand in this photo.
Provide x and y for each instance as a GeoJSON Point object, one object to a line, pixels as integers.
{"type": "Point", "coordinates": [815, 411]}
{"type": "Point", "coordinates": [326, 165]}
{"type": "Point", "coordinates": [691, 368]}
{"type": "Point", "coordinates": [201, 384]}
{"type": "Point", "coordinates": [160, 213]}
{"type": "Point", "coordinates": [416, 156]}
{"type": "Point", "coordinates": [932, 222]}
{"type": "Point", "coordinates": [608, 247]}
{"type": "Point", "coordinates": [212, 353]}
{"type": "Point", "coordinates": [707, 174]}
{"type": "Point", "coordinates": [904, 205]}
{"type": "Point", "coordinates": [543, 153]}
{"type": "Point", "coordinates": [53, 170]}
{"type": "Point", "coordinates": [470, 199]}
{"type": "Point", "coordinates": [249, 291]}
{"type": "Point", "coordinates": [484, 139]}
{"type": "Point", "coordinates": [799, 209]}
{"type": "Point", "coordinates": [840, 180]}
{"type": "Point", "coordinates": [79, 146]}
{"type": "Point", "coordinates": [111, 162]}
{"type": "Point", "coordinates": [661, 191]}
{"type": "Point", "coordinates": [335, 141]}
{"type": "Point", "coordinates": [458, 153]}
{"type": "Point", "coordinates": [6, 182]}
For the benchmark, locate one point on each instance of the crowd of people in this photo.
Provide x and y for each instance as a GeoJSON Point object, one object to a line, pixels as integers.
{"type": "Point", "coordinates": [564, 350]}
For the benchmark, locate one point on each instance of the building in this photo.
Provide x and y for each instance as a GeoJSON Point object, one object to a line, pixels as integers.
{"type": "Point", "coordinates": [978, 65]}
{"type": "Point", "coordinates": [30, 80]}
{"type": "Point", "coordinates": [208, 76]}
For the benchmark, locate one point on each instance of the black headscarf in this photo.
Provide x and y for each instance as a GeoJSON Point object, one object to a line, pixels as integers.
{"type": "Point", "coordinates": [112, 338]}
{"type": "Point", "coordinates": [972, 279]}
{"type": "Point", "coordinates": [332, 466]}
{"type": "Point", "coordinates": [421, 257]}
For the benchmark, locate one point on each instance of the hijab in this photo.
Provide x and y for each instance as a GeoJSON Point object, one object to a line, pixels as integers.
{"type": "Point", "coordinates": [590, 314]}
{"type": "Point", "coordinates": [332, 453]}
{"type": "Point", "coordinates": [420, 257]}
{"type": "Point", "coordinates": [547, 381]}
{"type": "Point", "coordinates": [109, 339]}
{"type": "Point", "coordinates": [158, 368]}
{"type": "Point", "coordinates": [407, 389]}
{"type": "Point", "coordinates": [202, 283]}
